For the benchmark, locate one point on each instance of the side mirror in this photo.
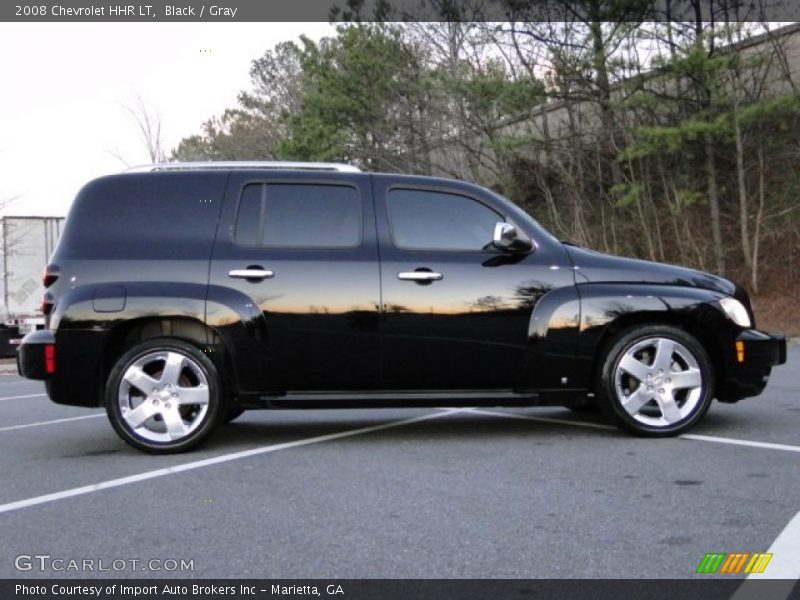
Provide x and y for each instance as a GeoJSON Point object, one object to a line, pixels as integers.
{"type": "Point", "coordinates": [507, 238]}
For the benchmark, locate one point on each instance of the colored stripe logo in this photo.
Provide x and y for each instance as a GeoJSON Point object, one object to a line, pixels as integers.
{"type": "Point", "coordinates": [734, 563]}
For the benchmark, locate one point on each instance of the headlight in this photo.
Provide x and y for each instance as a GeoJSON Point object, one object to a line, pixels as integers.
{"type": "Point", "coordinates": [736, 311]}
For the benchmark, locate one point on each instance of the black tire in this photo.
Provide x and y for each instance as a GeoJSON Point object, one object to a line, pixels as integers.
{"type": "Point", "coordinates": [233, 413]}
{"type": "Point", "coordinates": [195, 377]}
{"type": "Point", "coordinates": [687, 361]}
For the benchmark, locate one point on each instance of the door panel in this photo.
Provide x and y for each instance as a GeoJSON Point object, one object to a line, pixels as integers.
{"type": "Point", "coordinates": [466, 325]}
{"type": "Point", "coordinates": [312, 275]}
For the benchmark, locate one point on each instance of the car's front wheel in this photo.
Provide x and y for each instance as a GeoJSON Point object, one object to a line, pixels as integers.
{"type": "Point", "coordinates": [164, 396]}
{"type": "Point", "coordinates": [656, 380]}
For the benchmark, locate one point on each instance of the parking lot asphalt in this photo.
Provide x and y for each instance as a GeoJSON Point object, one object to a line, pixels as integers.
{"type": "Point", "coordinates": [422, 493]}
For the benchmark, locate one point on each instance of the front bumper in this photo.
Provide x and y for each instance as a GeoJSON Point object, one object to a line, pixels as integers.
{"type": "Point", "coordinates": [751, 359]}
{"type": "Point", "coordinates": [32, 355]}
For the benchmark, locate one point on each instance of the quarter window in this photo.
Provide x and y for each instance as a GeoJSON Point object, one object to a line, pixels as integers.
{"type": "Point", "coordinates": [289, 215]}
{"type": "Point", "coordinates": [429, 220]}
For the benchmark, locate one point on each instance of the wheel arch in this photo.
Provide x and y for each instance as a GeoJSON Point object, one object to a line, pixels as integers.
{"type": "Point", "coordinates": [188, 329]}
{"type": "Point", "coordinates": [692, 325]}
{"type": "Point", "coordinates": [90, 340]}
{"type": "Point", "coordinates": [608, 311]}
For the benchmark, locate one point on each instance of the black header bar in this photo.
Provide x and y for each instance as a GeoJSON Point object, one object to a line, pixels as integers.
{"type": "Point", "coordinates": [394, 10]}
{"type": "Point", "coordinates": [705, 588]}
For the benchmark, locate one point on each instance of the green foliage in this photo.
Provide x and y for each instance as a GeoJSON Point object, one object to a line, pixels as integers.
{"type": "Point", "coordinates": [684, 199]}
{"type": "Point", "coordinates": [369, 95]}
{"type": "Point", "coordinates": [670, 140]}
{"type": "Point", "coordinates": [192, 148]}
{"type": "Point", "coordinates": [492, 94]}
{"type": "Point", "coordinates": [627, 194]}
{"type": "Point", "coordinates": [630, 120]}
{"type": "Point", "coordinates": [359, 84]}
{"type": "Point", "coordinates": [667, 140]}
{"type": "Point", "coordinates": [781, 111]}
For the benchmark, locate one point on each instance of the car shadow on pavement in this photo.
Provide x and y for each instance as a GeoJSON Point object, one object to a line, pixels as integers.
{"type": "Point", "coordinates": [271, 427]}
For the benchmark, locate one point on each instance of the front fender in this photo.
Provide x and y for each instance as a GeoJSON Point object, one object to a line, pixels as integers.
{"type": "Point", "coordinates": [607, 308]}
{"type": "Point", "coordinates": [552, 341]}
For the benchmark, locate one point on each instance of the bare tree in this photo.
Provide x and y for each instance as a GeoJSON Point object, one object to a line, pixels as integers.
{"type": "Point", "coordinates": [149, 123]}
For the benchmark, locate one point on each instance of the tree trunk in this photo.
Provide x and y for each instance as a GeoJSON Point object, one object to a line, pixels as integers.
{"type": "Point", "coordinates": [600, 65]}
{"type": "Point", "coordinates": [713, 203]}
{"type": "Point", "coordinates": [673, 210]}
{"type": "Point", "coordinates": [743, 210]}
{"type": "Point", "coordinates": [759, 219]}
{"type": "Point", "coordinates": [642, 217]}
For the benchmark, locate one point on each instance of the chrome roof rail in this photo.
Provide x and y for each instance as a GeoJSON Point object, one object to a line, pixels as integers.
{"type": "Point", "coordinates": [225, 164]}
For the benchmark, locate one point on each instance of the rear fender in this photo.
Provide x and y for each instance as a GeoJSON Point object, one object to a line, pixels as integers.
{"type": "Point", "coordinates": [85, 328]}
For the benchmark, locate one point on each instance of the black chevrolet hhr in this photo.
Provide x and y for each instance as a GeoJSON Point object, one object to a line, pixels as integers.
{"type": "Point", "coordinates": [181, 295]}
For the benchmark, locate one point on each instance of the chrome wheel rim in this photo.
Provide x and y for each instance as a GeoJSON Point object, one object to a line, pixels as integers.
{"type": "Point", "coordinates": [163, 396]}
{"type": "Point", "coordinates": [658, 382]}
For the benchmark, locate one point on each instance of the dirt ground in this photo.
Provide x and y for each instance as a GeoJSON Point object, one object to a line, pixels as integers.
{"type": "Point", "coordinates": [778, 313]}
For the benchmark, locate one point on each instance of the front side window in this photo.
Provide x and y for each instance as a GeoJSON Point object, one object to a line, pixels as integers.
{"type": "Point", "coordinates": [289, 215]}
{"type": "Point", "coordinates": [428, 220]}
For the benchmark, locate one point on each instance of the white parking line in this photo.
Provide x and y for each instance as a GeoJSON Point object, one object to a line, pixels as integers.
{"type": "Point", "coordinates": [783, 566]}
{"type": "Point", "coordinates": [53, 422]}
{"type": "Point", "coordinates": [686, 436]}
{"type": "Point", "coordinates": [112, 483]}
{"type": "Point", "coordinates": [20, 397]}
{"type": "Point", "coordinates": [492, 413]}
{"type": "Point", "coordinates": [737, 442]}
{"type": "Point", "coordinates": [785, 551]}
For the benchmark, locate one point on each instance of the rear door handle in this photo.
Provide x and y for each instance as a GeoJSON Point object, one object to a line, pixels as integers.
{"type": "Point", "coordinates": [250, 273]}
{"type": "Point", "coordinates": [419, 276]}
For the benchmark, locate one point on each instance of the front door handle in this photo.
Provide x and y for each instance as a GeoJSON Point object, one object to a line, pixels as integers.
{"type": "Point", "coordinates": [251, 273]}
{"type": "Point", "coordinates": [419, 276]}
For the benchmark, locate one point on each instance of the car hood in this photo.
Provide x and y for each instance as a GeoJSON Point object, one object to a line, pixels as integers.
{"type": "Point", "coordinates": [596, 267]}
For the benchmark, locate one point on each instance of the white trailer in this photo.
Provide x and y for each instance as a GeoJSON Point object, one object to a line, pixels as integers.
{"type": "Point", "coordinates": [26, 244]}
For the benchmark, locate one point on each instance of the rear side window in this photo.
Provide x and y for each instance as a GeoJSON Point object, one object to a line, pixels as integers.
{"type": "Point", "coordinates": [428, 220]}
{"type": "Point", "coordinates": [288, 215]}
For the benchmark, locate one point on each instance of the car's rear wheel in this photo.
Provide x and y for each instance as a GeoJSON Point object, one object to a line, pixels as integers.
{"type": "Point", "coordinates": [656, 381]}
{"type": "Point", "coordinates": [164, 396]}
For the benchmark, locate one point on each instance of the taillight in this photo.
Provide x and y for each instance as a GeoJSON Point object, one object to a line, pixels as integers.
{"type": "Point", "coordinates": [47, 304]}
{"type": "Point", "coordinates": [50, 358]}
{"type": "Point", "coordinates": [49, 276]}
